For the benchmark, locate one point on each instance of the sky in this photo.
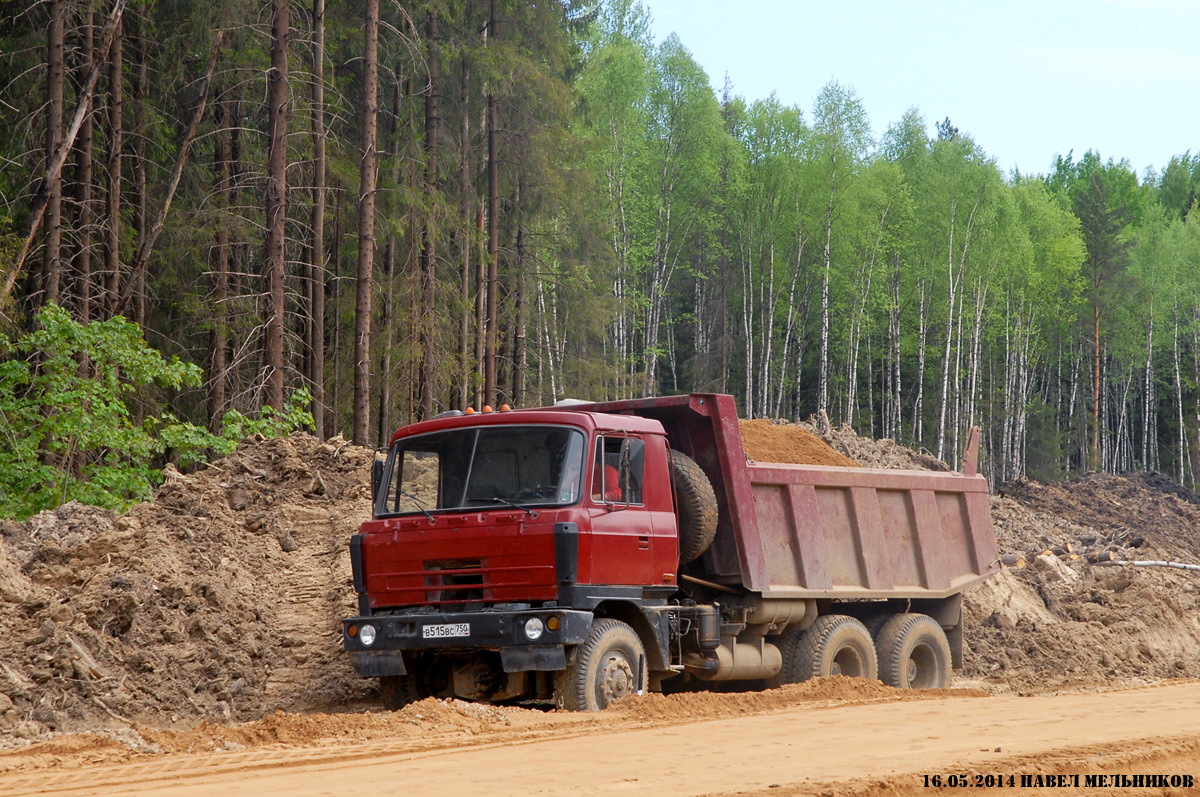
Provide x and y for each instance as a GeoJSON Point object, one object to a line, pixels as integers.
{"type": "Point", "coordinates": [1027, 80]}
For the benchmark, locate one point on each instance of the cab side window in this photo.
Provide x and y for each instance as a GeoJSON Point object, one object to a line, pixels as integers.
{"type": "Point", "coordinates": [618, 469]}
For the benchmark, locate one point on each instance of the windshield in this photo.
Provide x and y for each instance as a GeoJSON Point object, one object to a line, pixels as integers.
{"type": "Point", "coordinates": [484, 467]}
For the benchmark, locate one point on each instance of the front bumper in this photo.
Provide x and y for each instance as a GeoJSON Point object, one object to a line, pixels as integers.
{"type": "Point", "coordinates": [499, 630]}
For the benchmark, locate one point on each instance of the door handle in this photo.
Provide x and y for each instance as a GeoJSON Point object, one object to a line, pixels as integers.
{"type": "Point", "coordinates": [644, 542]}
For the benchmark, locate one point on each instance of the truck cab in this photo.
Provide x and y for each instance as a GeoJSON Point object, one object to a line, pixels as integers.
{"type": "Point", "coordinates": [495, 537]}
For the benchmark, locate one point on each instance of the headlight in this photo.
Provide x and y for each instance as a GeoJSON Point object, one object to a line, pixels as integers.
{"type": "Point", "coordinates": [366, 635]}
{"type": "Point", "coordinates": [533, 628]}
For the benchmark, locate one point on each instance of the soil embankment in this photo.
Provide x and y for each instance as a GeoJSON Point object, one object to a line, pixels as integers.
{"type": "Point", "coordinates": [207, 619]}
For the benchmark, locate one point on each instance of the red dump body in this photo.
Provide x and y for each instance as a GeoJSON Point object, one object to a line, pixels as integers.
{"type": "Point", "coordinates": [810, 531]}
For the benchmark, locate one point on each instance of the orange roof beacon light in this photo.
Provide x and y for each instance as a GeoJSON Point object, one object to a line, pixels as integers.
{"type": "Point", "coordinates": [469, 411]}
{"type": "Point", "coordinates": [505, 408]}
{"type": "Point", "coordinates": [487, 407]}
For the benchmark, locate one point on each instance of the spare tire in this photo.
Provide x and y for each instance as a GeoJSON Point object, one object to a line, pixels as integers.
{"type": "Point", "coordinates": [696, 507]}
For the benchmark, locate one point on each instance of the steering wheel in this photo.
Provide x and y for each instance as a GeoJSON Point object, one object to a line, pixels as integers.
{"type": "Point", "coordinates": [528, 492]}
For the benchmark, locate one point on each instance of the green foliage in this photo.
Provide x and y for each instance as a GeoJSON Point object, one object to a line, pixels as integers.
{"type": "Point", "coordinates": [236, 427]}
{"type": "Point", "coordinates": [654, 236]}
{"type": "Point", "coordinates": [69, 433]}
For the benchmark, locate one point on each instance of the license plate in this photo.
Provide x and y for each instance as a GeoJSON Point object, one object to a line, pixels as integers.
{"type": "Point", "coordinates": [447, 630]}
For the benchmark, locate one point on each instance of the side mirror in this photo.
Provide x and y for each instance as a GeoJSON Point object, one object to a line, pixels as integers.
{"type": "Point", "coordinates": [376, 479]}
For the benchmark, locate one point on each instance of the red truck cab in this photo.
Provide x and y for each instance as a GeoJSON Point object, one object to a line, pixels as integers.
{"type": "Point", "coordinates": [487, 527]}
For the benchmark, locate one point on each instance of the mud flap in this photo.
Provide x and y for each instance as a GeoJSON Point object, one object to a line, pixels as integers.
{"type": "Point", "coordinates": [955, 637]}
{"type": "Point", "coordinates": [948, 613]}
{"type": "Point", "coordinates": [378, 663]}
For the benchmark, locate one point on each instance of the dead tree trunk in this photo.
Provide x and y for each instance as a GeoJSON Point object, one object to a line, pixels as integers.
{"type": "Point", "coordinates": [366, 229]}
{"type": "Point", "coordinates": [52, 256]}
{"type": "Point", "coordinates": [387, 321]}
{"type": "Point", "coordinates": [220, 295]}
{"type": "Point", "coordinates": [112, 229]}
{"type": "Point", "coordinates": [467, 195]}
{"type": "Point", "coordinates": [428, 233]}
{"type": "Point", "coordinates": [519, 349]}
{"type": "Point", "coordinates": [148, 234]}
{"type": "Point", "coordinates": [81, 264]}
{"type": "Point", "coordinates": [316, 274]}
{"type": "Point", "coordinates": [136, 284]}
{"type": "Point", "coordinates": [493, 277]}
{"type": "Point", "coordinates": [37, 208]}
{"type": "Point", "coordinates": [335, 356]}
{"type": "Point", "coordinates": [481, 292]}
{"type": "Point", "coordinates": [276, 205]}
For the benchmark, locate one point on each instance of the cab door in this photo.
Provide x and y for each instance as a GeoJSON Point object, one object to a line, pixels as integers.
{"type": "Point", "coordinates": [622, 534]}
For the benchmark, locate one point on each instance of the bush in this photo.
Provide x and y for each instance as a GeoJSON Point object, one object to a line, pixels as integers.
{"type": "Point", "coordinates": [67, 433]}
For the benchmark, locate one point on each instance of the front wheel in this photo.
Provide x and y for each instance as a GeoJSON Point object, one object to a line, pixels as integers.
{"type": "Point", "coordinates": [608, 666]}
{"type": "Point", "coordinates": [397, 691]}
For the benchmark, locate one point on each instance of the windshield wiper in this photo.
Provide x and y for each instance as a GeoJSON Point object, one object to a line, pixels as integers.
{"type": "Point", "coordinates": [514, 506]}
{"type": "Point", "coordinates": [417, 501]}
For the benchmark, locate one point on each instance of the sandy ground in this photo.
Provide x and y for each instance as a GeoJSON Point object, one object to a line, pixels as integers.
{"type": "Point", "coordinates": [133, 658]}
{"type": "Point", "coordinates": [873, 741]}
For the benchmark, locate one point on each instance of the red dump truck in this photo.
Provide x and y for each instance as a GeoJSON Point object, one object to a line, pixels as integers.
{"type": "Point", "coordinates": [587, 552]}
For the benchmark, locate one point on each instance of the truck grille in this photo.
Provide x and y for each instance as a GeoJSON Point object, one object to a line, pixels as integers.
{"type": "Point", "coordinates": [455, 581]}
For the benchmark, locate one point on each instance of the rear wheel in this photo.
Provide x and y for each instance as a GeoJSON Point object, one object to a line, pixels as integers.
{"type": "Point", "coordinates": [873, 624]}
{"type": "Point", "coordinates": [789, 645]}
{"type": "Point", "coordinates": [835, 644]}
{"type": "Point", "coordinates": [913, 653]}
{"type": "Point", "coordinates": [609, 666]}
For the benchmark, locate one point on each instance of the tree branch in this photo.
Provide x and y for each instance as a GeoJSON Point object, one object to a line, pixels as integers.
{"type": "Point", "coordinates": [42, 198]}
{"type": "Point", "coordinates": [143, 253]}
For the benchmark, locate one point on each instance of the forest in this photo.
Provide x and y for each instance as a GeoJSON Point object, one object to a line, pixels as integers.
{"type": "Point", "coordinates": [216, 215]}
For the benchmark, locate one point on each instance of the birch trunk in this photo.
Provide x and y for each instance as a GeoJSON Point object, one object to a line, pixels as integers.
{"type": "Point", "coordinates": [823, 373]}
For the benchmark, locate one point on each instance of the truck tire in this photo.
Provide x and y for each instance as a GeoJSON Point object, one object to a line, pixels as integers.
{"type": "Point", "coordinates": [913, 653]}
{"type": "Point", "coordinates": [609, 666]}
{"type": "Point", "coordinates": [834, 644]}
{"type": "Point", "coordinates": [697, 507]}
{"type": "Point", "coordinates": [788, 643]}
{"type": "Point", "coordinates": [397, 691]}
{"type": "Point", "coordinates": [874, 623]}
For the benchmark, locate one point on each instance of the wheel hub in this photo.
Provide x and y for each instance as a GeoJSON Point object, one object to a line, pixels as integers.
{"type": "Point", "coordinates": [616, 679]}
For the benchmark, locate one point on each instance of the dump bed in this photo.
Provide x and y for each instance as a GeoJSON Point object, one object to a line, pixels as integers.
{"type": "Point", "coordinates": [812, 531]}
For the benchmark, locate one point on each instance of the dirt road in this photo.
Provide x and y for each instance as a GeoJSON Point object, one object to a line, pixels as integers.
{"type": "Point", "coordinates": [793, 742]}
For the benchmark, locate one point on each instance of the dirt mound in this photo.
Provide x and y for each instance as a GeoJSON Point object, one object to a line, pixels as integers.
{"type": "Point", "coordinates": [814, 443]}
{"type": "Point", "coordinates": [1056, 621]}
{"type": "Point", "coordinates": [836, 690]}
{"type": "Point", "coordinates": [219, 599]}
{"type": "Point", "coordinates": [1059, 621]}
{"type": "Point", "coordinates": [428, 716]}
{"type": "Point", "coordinates": [871, 453]}
{"type": "Point", "coordinates": [765, 441]}
{"type": "Point", "coordinates": [1147, 513]}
